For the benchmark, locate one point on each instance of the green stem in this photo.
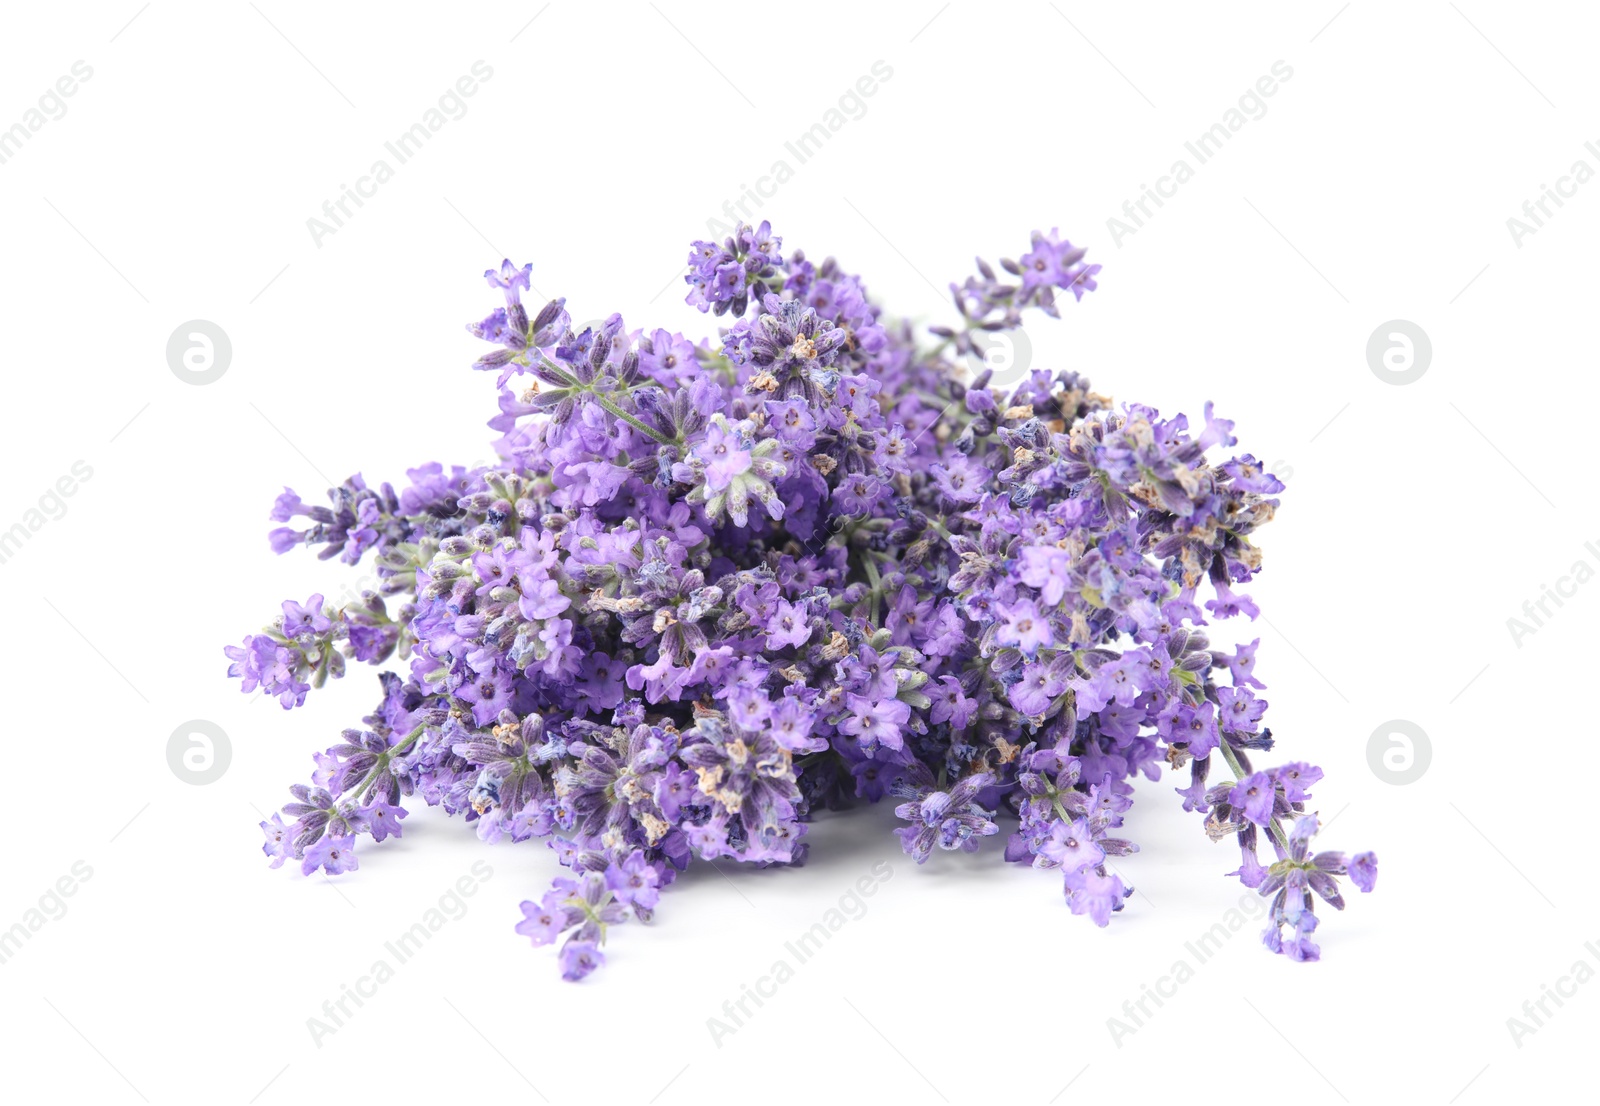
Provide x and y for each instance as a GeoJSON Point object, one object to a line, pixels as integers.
{"type": "Point", "coordinates": [372, 773]}
{"type": "Point", "coordinates": [629, 419]}
{"type": "Point", "coordinates": [572, 382]}
{"type": "Point", "coordinates": [872, 578]}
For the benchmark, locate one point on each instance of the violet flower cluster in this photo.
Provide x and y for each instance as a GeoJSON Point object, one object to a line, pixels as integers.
{"type": "Point", "coordinates": [712, 589]}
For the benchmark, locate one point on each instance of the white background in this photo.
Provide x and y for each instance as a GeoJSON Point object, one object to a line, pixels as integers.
{"type": "Point", "coordinates": [1417, 520]}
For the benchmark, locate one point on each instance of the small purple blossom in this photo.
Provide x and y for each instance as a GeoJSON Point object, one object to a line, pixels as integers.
{"type": "Point", "coordinates": [1253, 797]}
{"type": "Point", "coordinates": [1094, 893]}
{"type": "Point", "coordinates": [332, 854]}
{"type": "Point", "coordinates": [634, 880]}
{"type": "Point", "coordinates": [543, 922]}
{"type": "Point", "coordinates": [875, 721]}
{"type": "Point", "coordinates": [1363, 870]}
{"type": "Point", "coordinates": [579, 958]}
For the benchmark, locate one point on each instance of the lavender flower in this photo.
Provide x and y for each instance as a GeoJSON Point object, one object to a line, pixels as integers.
{"type": "Point", "coordinates": [707, 590]}
{"type": "Point", "coordinates": [950, 819]}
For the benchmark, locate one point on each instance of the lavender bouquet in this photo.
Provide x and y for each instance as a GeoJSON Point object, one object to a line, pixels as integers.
{"type": "Point", "coordinates": [711, 589]}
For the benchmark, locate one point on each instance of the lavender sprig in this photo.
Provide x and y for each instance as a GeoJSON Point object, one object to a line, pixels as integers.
{"type": "Point", "coordinates": [710, 590]}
